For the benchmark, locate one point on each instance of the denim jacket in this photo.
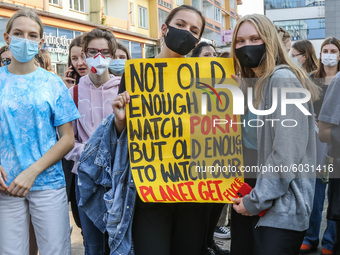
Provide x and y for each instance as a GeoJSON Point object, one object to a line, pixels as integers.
{"type": "Point", "coordinates": [107, 189]}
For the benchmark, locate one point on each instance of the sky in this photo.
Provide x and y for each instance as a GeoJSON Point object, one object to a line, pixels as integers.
{"type": "Point", "coordinates": [250, 7]}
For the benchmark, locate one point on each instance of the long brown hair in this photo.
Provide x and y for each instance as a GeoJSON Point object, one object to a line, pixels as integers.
{"type": "Point", "coordinates": [320, 72]}
{"type": "Point", "coordinates": [44, 60]}
{"type": "Point", "coordinates": [77, 41]}
{"type": "Point", "coordinates": [275, 55]}
{"type": "Point", "coordinates": [306, 48]}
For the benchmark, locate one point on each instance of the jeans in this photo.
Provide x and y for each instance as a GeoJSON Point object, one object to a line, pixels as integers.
{"type": "Point", "coordinates": [94, 239]}
{"type": "Point", "coordinates": [313, 232]}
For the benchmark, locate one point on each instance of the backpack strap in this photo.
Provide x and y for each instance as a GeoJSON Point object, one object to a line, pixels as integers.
{"type": "Point", "coordinates": [75, 95]}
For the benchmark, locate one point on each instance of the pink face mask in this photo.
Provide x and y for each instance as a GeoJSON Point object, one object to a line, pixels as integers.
{"type": "Point", "coordinates": [98, 64]}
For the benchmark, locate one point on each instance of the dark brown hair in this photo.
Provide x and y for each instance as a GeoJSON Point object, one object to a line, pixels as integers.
{"type": "Point", "coordinates": [306, 48]}
{"type": "Point", "coordinates": [3, 49]}
{"type": "Point", "coordinates": [198, 49]}
{"type": "Point", "coordinates": [77, 41]}
{"type": "Point", "coordinates": [225, 54]}
{"type": "Point", "coordinates": [186, 7]}
{"type": "Point", "coordinates": [320, 72]}
{"type": "Point", "coordinates": [98, 33]}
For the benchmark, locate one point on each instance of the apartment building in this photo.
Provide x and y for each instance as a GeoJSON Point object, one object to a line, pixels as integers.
{"type": "Point", "coordinates": [303, 19]}
{"type": "Point", "coordinates": [136, 23]}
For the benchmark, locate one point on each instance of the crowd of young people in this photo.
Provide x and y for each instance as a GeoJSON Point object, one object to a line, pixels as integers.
{"type": "Point", "coordinates": [37, 113]}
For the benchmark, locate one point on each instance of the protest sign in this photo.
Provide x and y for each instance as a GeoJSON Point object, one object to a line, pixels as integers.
{"type": "Point", "coordinates": [182, 145]}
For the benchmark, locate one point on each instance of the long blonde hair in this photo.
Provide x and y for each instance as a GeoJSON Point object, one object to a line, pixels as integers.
{"type": "Point", "coordinates": [275, 55]}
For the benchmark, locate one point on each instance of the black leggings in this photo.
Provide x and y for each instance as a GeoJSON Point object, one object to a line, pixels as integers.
{"type": "Point", "coordinates": [336, 249]}
{"type": "Point", "coordinates": [170, 228]}
{"type": "Point", "coordinates": [269, 241]}
{"type": "Point", "coordinates": [241, 227]}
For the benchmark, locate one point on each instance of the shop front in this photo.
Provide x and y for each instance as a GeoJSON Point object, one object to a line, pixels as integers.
{"type": "Point", "coordinates": [59, 31]}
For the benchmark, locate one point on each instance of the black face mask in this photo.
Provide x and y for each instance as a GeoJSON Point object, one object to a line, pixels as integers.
{"type": "Point", "coordinates": [251, 55]}
{"type": "Point", "coordinates": [180, 41]}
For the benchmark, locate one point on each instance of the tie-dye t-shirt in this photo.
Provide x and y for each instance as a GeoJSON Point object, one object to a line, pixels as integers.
{"type": "Point", "coordinates": [31, 107]}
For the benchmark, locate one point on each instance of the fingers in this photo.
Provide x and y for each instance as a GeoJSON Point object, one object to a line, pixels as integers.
{"type": "Point", "coordinates": [121, 100]}
{"type": "Point", "coordinates": [236, 200]}
{"type": "Point", "coordinates": [235, 77]}
{"type": "Point", "coordinates": [3, 179]}
{"type": "Point", "coordinates": [16, 190]}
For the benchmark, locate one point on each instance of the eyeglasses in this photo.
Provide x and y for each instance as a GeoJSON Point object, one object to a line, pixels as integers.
{"type": "Point", "coordinates": [91, 52]}
{"type": "Point", "coordinates": [6, 61]}
{"type": "Point", "coordinates": [295, 55]}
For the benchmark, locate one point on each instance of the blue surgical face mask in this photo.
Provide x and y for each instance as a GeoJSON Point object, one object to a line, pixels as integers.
{"type": "Point", "coordinates": [117, 66]}
{"type": "Point", "coordinates": [23, 50]}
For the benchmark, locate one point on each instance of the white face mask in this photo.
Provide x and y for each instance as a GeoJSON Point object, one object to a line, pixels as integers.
{"type": "Point", "coordinates": [329, 59]}
{"type": "Point", "coordinates": [98, 64]}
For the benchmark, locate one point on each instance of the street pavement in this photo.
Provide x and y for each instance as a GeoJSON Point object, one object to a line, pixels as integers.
{"type": "Point", "coordinates": [78, 247]}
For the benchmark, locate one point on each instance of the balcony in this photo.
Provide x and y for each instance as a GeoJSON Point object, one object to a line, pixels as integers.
{"type": "Point", "coordinates": [114, 22]}
{"type": "Point", "coordinates": [35, 4]}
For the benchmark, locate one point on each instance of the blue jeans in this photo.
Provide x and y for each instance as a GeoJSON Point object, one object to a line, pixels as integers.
{"type": "Point", "coordinates": [94, 240]}
{"type": "Point", "coordinates": [313, 232]}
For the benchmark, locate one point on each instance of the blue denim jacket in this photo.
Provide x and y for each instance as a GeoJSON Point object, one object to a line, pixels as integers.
{"type": "Point", "coordinates": [107, 189]}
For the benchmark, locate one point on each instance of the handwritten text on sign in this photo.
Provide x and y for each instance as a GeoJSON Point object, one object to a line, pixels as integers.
{"type": "Point", "coordinates": [177, 151]}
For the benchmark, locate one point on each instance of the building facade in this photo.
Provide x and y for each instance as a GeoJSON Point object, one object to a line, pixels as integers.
{"type": "Point", "coordinates": [136, 23]}
{"type": "Point", "coordinates": [332, 10]}
{"type": "Point", "coordinates": [303, 19]}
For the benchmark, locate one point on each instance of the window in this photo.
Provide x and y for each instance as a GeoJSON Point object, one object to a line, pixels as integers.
{"type": "Point", "coordinates": [304, 29]}
{"type": "Point", "coordinates": [105, 7]}
{"type": "Point", "coordinates": [232, 4]}
{"type": "Point", "coordinates": [179, 2]}
{"type": "Point", "coordinates": [223, 21]}
{"type": "Point", "coordinates": [142, 17]}
{"type": "Point", "coordinates": [77, 5]}
{"type": "Point", "coordinates": [232, 23]}
{"type": "Point", "coordinates": [56, 2]}
{"type": "Point", "coordinates": [278, 4]}
{"type": "Point", "coordinates": [161, 17]}
{"type": "Point", "coordinates": [217, 14]}
{"type": "Point", "coordinates": [165, 4]}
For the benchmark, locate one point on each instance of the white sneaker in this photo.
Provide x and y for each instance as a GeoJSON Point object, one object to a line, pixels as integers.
{"type": "Point", "coordinates": [222, 232]}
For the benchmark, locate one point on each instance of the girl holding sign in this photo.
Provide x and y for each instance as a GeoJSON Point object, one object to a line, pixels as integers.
{"type": "Point", "coordinates": [34, 104]}
{"type": "Point", "coordinates": [287, 194]}
{"type": "Point", "coordinates": [168, 228]}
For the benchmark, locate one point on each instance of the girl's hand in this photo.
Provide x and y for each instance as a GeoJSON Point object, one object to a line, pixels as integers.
{"type": "Point", "coordinates": [3, 179]}
{"type": "Point", "coordinates": [119, 105]}
{"type": "Point", "coordinates": [239, 207]}
{"type": "Point", "coordinates": [21, 184]}
{"type": "Point", "coordinates": [235, 77]}
{"type": "Point", "coordinates": [68, 80]}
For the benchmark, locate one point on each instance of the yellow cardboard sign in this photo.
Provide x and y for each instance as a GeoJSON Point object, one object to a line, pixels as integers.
{"type": "Point", "coordinates": [182, 145]}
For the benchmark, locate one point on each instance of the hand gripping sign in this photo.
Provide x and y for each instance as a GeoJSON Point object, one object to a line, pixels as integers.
{"type": "Point", "coordinates": [178, 151]}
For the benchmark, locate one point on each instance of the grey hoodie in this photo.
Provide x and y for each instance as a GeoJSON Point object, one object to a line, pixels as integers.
{"type": "Point", "coordinates": [288, 196]}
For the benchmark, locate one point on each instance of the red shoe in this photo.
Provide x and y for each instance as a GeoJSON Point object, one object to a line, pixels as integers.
{"type": "Point", "coordinates": [305, 249]}
{"type": "Point", "coordinates": [326, 252]}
